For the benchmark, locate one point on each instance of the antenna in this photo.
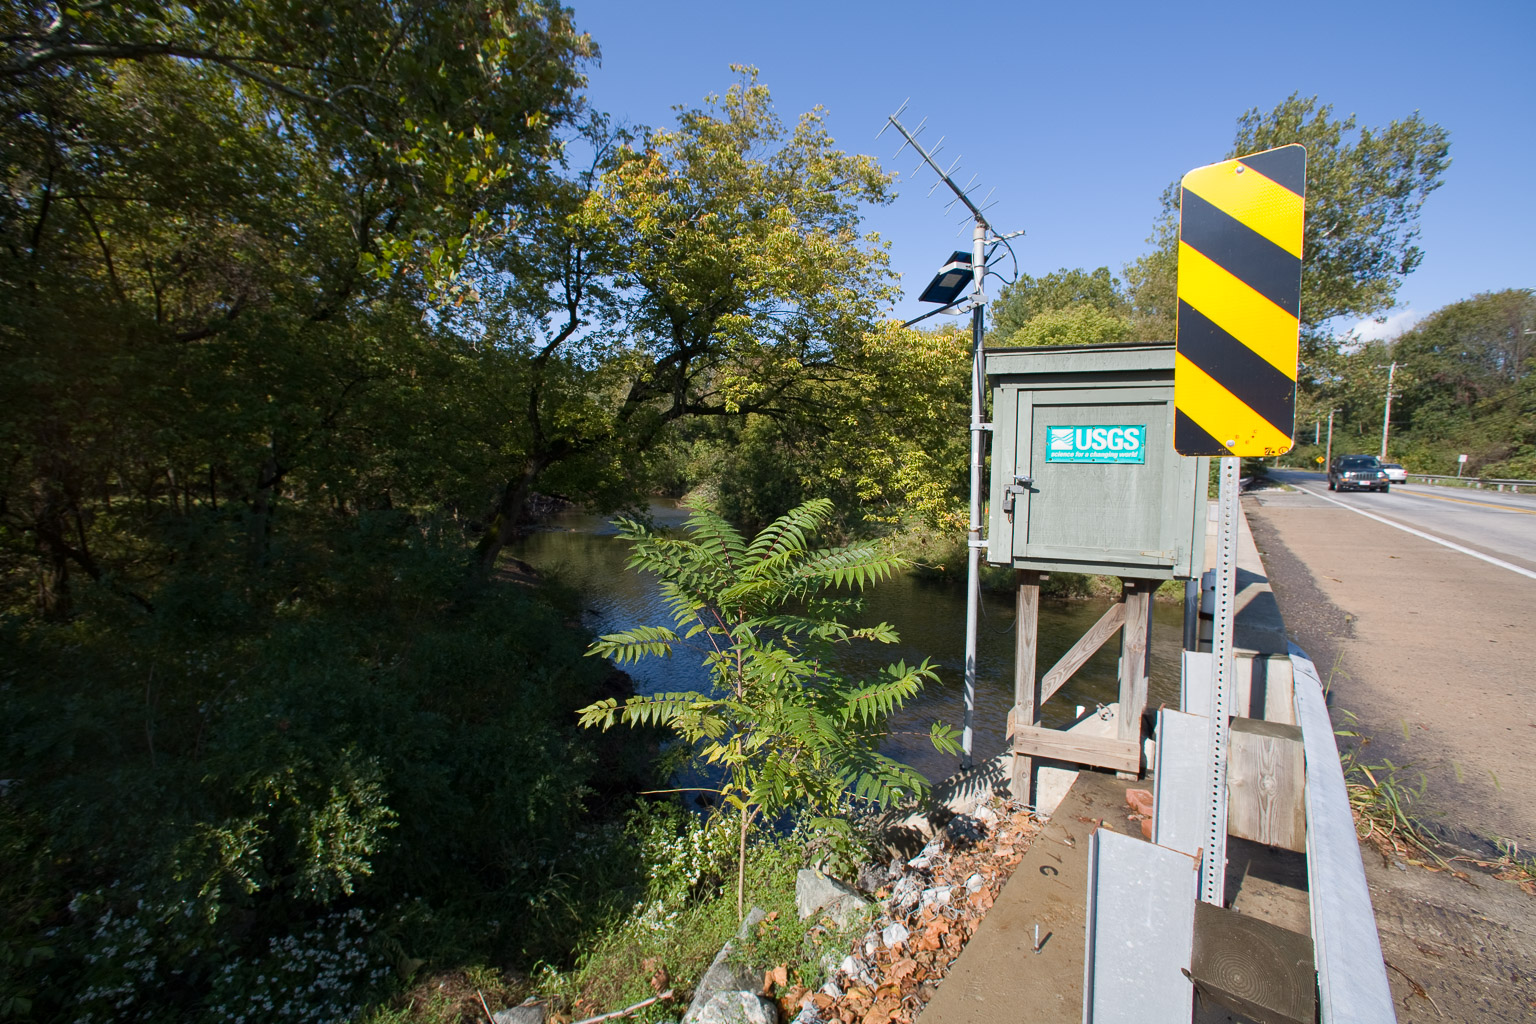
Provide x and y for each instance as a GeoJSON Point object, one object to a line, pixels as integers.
{"type": "Point", "coordinates": [909, 138]}
{"type": "Point", "coordinates": [982, 236]}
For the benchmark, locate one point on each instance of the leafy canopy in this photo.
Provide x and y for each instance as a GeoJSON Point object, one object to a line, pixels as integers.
{"type": "Point", "coordinates": [1065, 291]}
{"type": "Point", "coordinates": [1365, 188]}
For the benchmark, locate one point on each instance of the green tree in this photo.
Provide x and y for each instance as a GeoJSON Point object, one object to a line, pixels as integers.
{"type": "Point", "coordinates": [786, 730]}
{"type": "Point", "coordinates": [739, 283]}
{"type": "Point", "coordinates": [882, 439]}
{"type": "Point", "coordinates": [1465, 381]}
{"type": "Point", "coordinates": [221, 226]}
{"type": "Point", "coordinates": [1075, 325]}
{"type": "Point", "coordinates": [1365, 188]}
{"type": "Point", "coordinates": [1028, 297]}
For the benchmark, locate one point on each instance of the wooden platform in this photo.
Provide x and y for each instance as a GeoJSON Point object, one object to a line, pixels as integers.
{"type": "Point", "coordinates": [999, 977]}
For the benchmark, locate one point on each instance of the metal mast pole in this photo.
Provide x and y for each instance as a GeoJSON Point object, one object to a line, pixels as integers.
{"type": "Point", "coordinates": [1386, 414]}
{"type": "Point", "coordinates": [974, 543]}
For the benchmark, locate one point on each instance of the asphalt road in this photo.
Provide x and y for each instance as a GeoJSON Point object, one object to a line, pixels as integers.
{"type": "Point", "coordinates": [1501, 525]}
{"type": "Point", "coordinates": [1427, 640]}
{"type": "Point", "coordinates": [1426, 637]}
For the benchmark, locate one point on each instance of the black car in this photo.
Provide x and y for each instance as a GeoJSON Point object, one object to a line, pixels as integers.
{"type": "Point", "coordinates": [1358, 472]}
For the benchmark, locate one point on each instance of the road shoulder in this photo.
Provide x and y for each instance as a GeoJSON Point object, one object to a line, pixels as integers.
{"type": "Point", "coordinates": [1410, 644]}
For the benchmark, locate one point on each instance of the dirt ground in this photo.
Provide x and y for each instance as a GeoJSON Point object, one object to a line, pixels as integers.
{"type": "Point", "coordinates": [1434, 654]}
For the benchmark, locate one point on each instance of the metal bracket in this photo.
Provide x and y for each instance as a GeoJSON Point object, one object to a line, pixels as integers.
{"type": "Point", "coordinates": [981, 544]}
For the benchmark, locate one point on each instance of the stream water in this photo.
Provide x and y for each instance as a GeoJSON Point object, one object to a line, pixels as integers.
{"type": "Point", "coordinates": [584, 552]}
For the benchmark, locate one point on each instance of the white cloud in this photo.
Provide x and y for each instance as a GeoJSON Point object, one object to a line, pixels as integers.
{"type": "Point", "coordinates": [1391, 327]}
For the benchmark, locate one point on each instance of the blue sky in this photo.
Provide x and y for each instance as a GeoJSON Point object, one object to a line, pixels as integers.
{"type": "Point", "coordinates": [1086, 112]}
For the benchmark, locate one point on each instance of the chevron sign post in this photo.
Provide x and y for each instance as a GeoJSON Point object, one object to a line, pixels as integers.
{"type": "Point", "coordinates": [1234, 381]}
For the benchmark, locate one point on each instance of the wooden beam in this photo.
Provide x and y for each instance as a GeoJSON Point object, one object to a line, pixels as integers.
{"type": "Point", "coordinates": [1026, 681]}
{"type": "Point", "coordinates": [1136, 595]}
{"type": "Point", "coordinates": [1099, 751]}
{"type": "Point", "coordinates": [1256, 968]}
{"type": "Point", "coordinates": [1266, 784]}
{"type": "Point", "coordinates": [1081, 651]}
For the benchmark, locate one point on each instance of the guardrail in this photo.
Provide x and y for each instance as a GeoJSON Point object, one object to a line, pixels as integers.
{"type": "Point", "coordinates": [1474, 482]}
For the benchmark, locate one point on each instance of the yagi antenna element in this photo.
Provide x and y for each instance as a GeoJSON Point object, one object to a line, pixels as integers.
{"type": "Point", "coordinates": [910, 139]}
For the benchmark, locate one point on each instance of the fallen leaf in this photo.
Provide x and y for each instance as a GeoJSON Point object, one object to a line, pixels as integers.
{"type": "Point", "coordinates": [933, 936]}
{"type": "Point", "coordinates": [791, 1002]}
{"type": "Point", "coordinates": [776, 978]}
{"type": "Point", "coordinates": [658, 972]}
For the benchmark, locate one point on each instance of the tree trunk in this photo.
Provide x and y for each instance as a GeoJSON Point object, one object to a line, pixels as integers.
{"type": "Point", "coordinates": [53, 597]}
{"type": "Point", "coordinates": [509, 514]}
{"type": "Point", "coordinates": [260, 526]}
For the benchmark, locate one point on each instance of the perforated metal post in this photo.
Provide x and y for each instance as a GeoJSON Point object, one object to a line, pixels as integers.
{"type": "Point", "coordinates": [1213, 866]}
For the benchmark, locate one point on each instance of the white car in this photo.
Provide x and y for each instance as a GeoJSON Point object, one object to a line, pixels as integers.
{"type": "Point", "coordinates": [1395, 473]}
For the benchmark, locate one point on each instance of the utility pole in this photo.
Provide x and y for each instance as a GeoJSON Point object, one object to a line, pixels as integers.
{"type": "Point", "coordinates": [981, 234]}
{"type": "Point", "coordinates": [1328, 456]}
{"type": "Point", "coordinates": [1386, 414]}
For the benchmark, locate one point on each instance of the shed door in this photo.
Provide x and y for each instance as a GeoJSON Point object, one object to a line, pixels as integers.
{"type": "Point", "coordinates": [1101, 462]}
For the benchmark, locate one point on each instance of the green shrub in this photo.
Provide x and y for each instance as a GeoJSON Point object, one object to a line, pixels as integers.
{"type": "Point", "coordinates": [780, 730]}
{"type": "Point", "coordinates": [351, 730]}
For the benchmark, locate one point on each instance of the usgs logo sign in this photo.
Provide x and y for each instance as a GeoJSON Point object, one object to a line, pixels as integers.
{"type": "Point", "coordinates": [1112, 443]}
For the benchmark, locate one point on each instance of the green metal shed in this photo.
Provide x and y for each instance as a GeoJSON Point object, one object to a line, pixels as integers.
{"type": "Point", "coordinates": [1084, 475]}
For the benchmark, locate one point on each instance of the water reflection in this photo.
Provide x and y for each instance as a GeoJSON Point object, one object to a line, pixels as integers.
{"type": "Point", "coordinates": [584, 552]}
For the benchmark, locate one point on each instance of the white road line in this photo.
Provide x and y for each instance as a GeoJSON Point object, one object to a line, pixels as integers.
{"type": "Point", "coordinates": [1420, 533]}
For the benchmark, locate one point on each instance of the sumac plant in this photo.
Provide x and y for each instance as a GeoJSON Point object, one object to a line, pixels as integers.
{"type": "Point", "coordinates": [784, 728]}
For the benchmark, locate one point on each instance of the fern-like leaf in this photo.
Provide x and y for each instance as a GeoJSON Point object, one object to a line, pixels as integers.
{"type": "Point", "coordinates": [633, 644]}
{"type": "Point", "coordinates": [788, 532]}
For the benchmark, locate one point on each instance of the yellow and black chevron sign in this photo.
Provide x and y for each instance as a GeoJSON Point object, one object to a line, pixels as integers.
{"type": "Point", "coordinates": [1240, 228]}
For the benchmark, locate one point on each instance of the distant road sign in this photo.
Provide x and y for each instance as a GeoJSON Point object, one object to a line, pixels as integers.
{"type": "Point", "coordinates": [1240, 232]}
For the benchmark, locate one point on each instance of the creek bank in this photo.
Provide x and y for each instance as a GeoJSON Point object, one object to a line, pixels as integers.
{"type": "Point", "coordinates": [903, 921]}
{"type": "Point", "coordinates": [926, 910]}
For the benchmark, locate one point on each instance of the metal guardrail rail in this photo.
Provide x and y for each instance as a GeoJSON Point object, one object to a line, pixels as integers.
{"type": "Point", "coordinates": [1475, 482]}
{"type": "Point", "coordinates": [1352, 982]}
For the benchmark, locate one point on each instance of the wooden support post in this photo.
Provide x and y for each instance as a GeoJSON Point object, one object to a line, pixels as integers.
{"type": "Point", "coordinates": [1256, 968]}
{"type": "Point", "coordinates": [1026, 684]}
{"type": "Point", "coordinates": [1137, 598]}
{"type": "Point", "coordinates": [1266, 784]}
